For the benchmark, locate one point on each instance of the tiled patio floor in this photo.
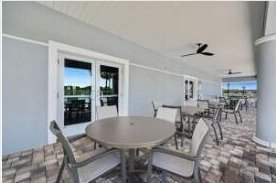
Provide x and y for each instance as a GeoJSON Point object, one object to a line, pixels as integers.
{"type": "Point", "coordinates": [236, 159]}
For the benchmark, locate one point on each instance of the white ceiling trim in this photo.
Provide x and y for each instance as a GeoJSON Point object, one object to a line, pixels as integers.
{"type": "Point", "coordinates": [265, 39]}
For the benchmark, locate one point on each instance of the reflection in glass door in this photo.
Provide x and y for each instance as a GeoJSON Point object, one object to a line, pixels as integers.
{"type": "Point", "coordinates": [83, 83]}
{"type": "Point", "coordinates": [77, 78]}
{"type": "Point", "coordinates": [109, 85]}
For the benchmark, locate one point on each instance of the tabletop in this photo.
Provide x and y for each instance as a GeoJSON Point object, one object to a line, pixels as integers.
{"type": "Point", "coordinates": [191, 110]}
{"type": "Point", "coordinates": [130, 132]}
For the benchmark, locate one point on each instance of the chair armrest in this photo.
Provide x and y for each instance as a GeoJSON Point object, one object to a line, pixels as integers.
{"type": "Point", "coordinates": [76, 137]}
{"type": "Point", "coordinates": [175, 153]}
{"type": "Point", "coordinates": [93, 158]}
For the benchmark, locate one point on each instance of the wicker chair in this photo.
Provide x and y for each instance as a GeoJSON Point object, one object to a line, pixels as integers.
{"type": "Point", "coordinates": [180, 163]}
{"type": "Point", "coordinates": [101, 162]}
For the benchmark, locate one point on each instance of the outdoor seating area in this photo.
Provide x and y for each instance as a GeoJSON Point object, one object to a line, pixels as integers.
{"type": "Point", "coordinates": [138, 92]}
{"type": "Point", "coordinates": [236, 159]}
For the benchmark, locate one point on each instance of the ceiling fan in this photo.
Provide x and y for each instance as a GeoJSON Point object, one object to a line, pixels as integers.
{"type": "Point", "coordinates": [200, 50]}
{"type": "Point", "coordinates": [230, 72]}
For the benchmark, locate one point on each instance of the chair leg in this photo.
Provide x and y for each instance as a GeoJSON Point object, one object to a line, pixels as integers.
{"type": "Point", "coordinates": [197, 176]}
{"type": "Point", "coordinates": [216, 135]}
{"type": "Point", "coordinates": [225, 115]}
{"type": "Point", "coordinates": [95, 145]}
{"type": "Point", "coordinates": [220, 131]}
{"type": "Point", "coordinates": [60, 172]}
{"type": "Point", "coordinates": [123, 166]}
{"type": "Point", "coordinates": [137, 152]}
{"type": "Point", "coordinates": [240, 116]}
{"type": "Point", "coordinates": [149, 167]}
{"type": "Point", "coordinates": [175, 141]}
{"type": "Point", "coordinates": [236, 117]}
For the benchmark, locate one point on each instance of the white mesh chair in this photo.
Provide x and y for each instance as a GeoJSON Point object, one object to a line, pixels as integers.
{"type": "Point", "coordinates": [155, 106]}
{"type": "Point", "coordinates": [182, 164]}
{"type": "Point", "coordinates": [180, 124]}
{"type": "Point", "coordinates": [191, 102]}
{"type": "Point", "coordinates": [205, 105]}
{"type": "Point", "coordinates": [168, 114]}
{"type": "Point", "coordinates": [235, 112]}
{"type": "Point", "coordinates": [99, 163]}
{"type": "Point", "coordinates": [107, 112]}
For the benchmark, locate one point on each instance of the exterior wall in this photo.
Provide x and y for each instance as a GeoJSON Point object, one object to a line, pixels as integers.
{"type": "Point", "coordinates": [146, 85]}
{"type": "Point", "coordinates": [25, 124]}
{"type": "Point", "coordinates": [210, 90]}
{"type": "Point", "coordinates": [24, 95]}
{"type": "Point", "coordinates": [270, 26]}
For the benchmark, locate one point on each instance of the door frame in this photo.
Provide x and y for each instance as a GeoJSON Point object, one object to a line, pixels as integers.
{"type": "Point", "coordinates": [55, 48]}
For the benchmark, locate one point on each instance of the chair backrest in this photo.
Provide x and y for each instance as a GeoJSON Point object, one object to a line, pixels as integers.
{"type": "Point", "coordinates": [65, 143]}
{"type": "Point", "coordinates": [238, 105]}
{"type": "Point", "coordinates": [107, 112]}
{"type": "Point", "coordinates": [167, 114]}
{"type": "Point", "coordinates": [178, 114]}
{"type": "Point", "coordinates": [199, 136]}
{"type": "Point", "coordinates": [191, 102]}
{"type": "Point", "coordinates": [222, 99]}
{"type": "Point", "coordinates": [203, 104]}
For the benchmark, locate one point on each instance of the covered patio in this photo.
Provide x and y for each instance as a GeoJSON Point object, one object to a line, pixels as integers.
{"type": "Point", "coordinates": [135, 92]}
{"type": "Point", "coordinates": [236, 159]}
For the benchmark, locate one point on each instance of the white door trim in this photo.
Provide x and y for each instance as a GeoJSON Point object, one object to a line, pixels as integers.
{"type": "Point", "coordinates": [56, 47]}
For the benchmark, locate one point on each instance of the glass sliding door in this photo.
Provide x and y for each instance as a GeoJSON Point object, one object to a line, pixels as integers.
{"type": "Point", "coordinates": [108, 85]}
{"type": "Point", "coordinates": [85, 84]}
{"type": "Point", "coordinates": [76, 90]}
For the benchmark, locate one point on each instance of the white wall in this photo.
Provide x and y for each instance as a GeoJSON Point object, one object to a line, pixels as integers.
{"type": "Point", "coordinates": [25, 124]}
{"type": "Point", "coordinates": [270, 27]}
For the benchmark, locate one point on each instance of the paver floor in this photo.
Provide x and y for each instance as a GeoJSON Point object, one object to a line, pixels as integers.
{"type": "Point", "coordinates": [236, 159]}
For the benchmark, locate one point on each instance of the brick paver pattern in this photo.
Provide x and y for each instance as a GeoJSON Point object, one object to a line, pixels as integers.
{"type": "Point", "coordinates": [236, 159]}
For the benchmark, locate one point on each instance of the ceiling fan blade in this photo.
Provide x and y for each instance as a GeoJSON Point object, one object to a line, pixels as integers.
{"type": "Point", "coordinates": [188, 54]}
{"type": "Point", "coordinates": [202, 48]}
{"type": "Point", "coordinates": [207, 53]}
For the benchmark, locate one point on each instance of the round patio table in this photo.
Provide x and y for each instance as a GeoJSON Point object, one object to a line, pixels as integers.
{"type": "Point", "coordinates": [130, 133]}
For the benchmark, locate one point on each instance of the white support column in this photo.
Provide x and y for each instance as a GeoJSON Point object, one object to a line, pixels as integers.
{"type": "Point", "coordinates": [266, 106]}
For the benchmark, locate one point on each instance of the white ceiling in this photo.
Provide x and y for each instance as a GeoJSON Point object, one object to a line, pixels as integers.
{"type": "Point", "coordinates": [173, 28]}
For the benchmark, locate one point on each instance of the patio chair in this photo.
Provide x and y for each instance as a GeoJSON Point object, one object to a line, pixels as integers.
{"type": "Point", "coordinates": [216, 121]}
{"type": "Point", "coordinates": [107, 112]}
{"type": "Point", "coordinates": [101, 162]}
{"type": "Point", "coordinates": [155, 106]}
{"type": "Point", "coordinates": [235, 111]}
{"type": "Point", "coordinates": [205, 105]}
{"type": "Point", "coordinates": [180, 125]}
{"type": "Point", "coordinates": [245, 104]}
{"type": "Point", "coordinates": [179, 163]}
{"type": "Point", "coordinates": [225, 101]}
{"type": "Point", "coordinates": [168, 114]}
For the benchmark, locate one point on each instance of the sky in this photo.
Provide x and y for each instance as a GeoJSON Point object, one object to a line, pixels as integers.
{"type": "Point", "coordinates": [79, 77]}
{"type": "Point", "coordinates": [82, 78]}
{"type": "Point", "coordinates": [249, 85]}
